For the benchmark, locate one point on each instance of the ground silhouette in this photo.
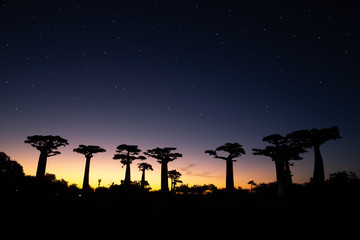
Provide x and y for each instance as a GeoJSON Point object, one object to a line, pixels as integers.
{"type": "Point", "coordinates": [62, 211]}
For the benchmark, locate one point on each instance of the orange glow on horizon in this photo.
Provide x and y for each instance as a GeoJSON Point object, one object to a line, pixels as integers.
{"type": "Point", "coordinates": [70, 166]}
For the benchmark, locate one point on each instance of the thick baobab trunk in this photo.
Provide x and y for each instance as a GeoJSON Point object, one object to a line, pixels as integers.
{"type": "Point", "coordinates": [127, 180]}
{"type": "Point", "coordinates": [288, 176]}
{"type": "Point", "coordinates": [229, 175]}
{"type": "Point", "coordinates": [40, 172]}
{"type": "Point", "coordinates": [164, 178]}
{"type": "Point", "coordinates": [143, 180]}
{"type": "Point", "coordinates": [319, 173]}
{"type": "Point", "coordinates": [86, 174]}
{"type": "Point", "coordinates": [280, 178]}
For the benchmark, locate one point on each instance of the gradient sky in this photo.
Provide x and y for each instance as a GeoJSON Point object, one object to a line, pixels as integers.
{"type": "Point", "coordinates": [187, 74]}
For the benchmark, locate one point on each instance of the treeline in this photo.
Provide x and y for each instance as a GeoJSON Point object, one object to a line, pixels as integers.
{"type": "Point", "coordinates": [283, 150]}
{"type": "Point", "coordinates": [14, 183]}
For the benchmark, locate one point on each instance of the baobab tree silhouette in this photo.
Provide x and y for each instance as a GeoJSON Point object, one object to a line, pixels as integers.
{"type": "Point", "coordinates": [163, 156]}
{"type": "Point", "coordinates": [46, 145]}
{"type": "Point", "coordinates": [174, 176]}
{"type": "Point", "coordinates": [314, 138]}
{"type": "Point", "coordinates": [252, 183]}
{"type": "Point", "coordinates": [281, 153]}
{"type": "Point", "coordinates": [88, 151]}
{"type": "Point", "coordinates": [127, 154]}
{"type": "Point", "coordinates": [235, 150]}
{"type": "Point", "coordinates": [143, 167]}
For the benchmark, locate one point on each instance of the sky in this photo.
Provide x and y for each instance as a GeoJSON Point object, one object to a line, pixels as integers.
{"type": "Point", "coordinates": [186, 74]}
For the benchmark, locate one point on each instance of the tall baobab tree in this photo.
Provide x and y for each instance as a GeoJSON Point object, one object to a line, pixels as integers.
{"type": "Point", "coordinates": [235, 150]}
{"type": "Point", "coordinates": [281, 153]}
{"type": "Point", "coordinates": [127, 154]}
{"type": "Point", "coordinates": [47, 146]}
{"type": "Point", "coordinates": [314, 138]}
{"type": "Point", "coordinates": [174, 176]}
{"type": "Point", "coordinates": [143, 167]}
{"type": "Point", "coordinates": [163, 156]}
{"type": "Point", "coordinates": [88, 151]}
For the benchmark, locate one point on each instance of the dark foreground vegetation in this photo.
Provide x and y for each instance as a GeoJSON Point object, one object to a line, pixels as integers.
{"type": "Point", "coordinates": [43, 207]}
{"type": "Point", "coordinates": [54, 210]}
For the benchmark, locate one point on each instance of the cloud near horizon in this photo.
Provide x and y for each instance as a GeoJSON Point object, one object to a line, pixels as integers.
{"type": "Point", "coordinates": [186, 170]}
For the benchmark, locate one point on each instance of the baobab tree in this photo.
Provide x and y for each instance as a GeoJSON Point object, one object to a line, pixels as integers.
{"type": "Point", "coordinates": [127, 154]}
{"type": "Point", "coordinates": [88, 151]}
{"type": "Point", "coordinates": [252, 183]}
{"type": "Point", "coordinates": [235, 150]}
{"type": "Point", "coordinates": [174, 176]}
{"type": "Point", "coordinates": [47, 146]}
{"type": "Point", "coordinates": [143, 167]}
{"type": "Point", "coordinates": [314, 138]}
{"type": "Point", "coordinates": [163, 156]}
{"type": "Point", "coordinates": [281, 153]}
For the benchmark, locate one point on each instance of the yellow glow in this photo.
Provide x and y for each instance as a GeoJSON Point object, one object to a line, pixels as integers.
{"type": "Point", "coordinates": [195, 169]}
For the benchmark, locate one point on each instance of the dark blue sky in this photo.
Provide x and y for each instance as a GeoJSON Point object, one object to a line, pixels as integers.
{"type": "Point", "coordinates": [193, 74]}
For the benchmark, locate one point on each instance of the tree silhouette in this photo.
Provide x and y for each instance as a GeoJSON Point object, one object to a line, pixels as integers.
{"type": "Point", "coordinates": [88, 151]}
{"type": "Point", "coordinates": [163, 156]}
{"type": "Point", "coordinates": [46, 145]}
{"type": "Point", "coordinates": [314, 138]}
{"type": "Point", "coordinates": [174, 176]}
{"type": "Point", "coordinates": [235, 150]}
{"type": "Point", "coordinates": [252, 183]}
{"type": "Point", "coordinates": [10, 167]}
{"type": "Point", "coordinates": [282, 151]}
{"type": "Point", "coordinates": [127, 154]}
{"type": "Point", "coordinates": [143, 167]}
{"type": "Point", "coordinates": [11, 173]}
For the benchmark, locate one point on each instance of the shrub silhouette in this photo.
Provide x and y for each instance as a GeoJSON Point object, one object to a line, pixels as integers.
{"type": "Point", "coordinates": [88, 151]}
{"type": "Point", "coordinates": [46, 145]}
{"type": "Point", "coordinates": [11, 173]}
{"type": "Point", "coordinates": [235, 150]}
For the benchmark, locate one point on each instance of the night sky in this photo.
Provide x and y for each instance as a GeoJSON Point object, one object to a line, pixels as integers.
{"type": "Point", "coordinates": [187, 74]}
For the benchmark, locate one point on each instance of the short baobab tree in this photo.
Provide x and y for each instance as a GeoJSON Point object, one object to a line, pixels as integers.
{"type": "Point", "coordinates": [143, 167]}
{"type": "Point", "coordinates": [163, 156]}
{"type": "Point", "coordinates": [88, 151]}
{"type": "Point", "coordinates": [234, 150]}
{"type": "Point", "coordinates": [127, 154]}
{"type": "Point", "coordinates": [175, 178]}
{"type": "Point", "coordinates": [47, 146]}
{"type": "Point", "coordinates": [314, 138]}
{"type": "Point", "coordinates": [282, 150]}
{"type": "Point", "coordinates": [252, 183]}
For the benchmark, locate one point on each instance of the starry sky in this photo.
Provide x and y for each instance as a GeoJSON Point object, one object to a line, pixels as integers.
{"type": "Point", "coordinates": [187, 74]}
